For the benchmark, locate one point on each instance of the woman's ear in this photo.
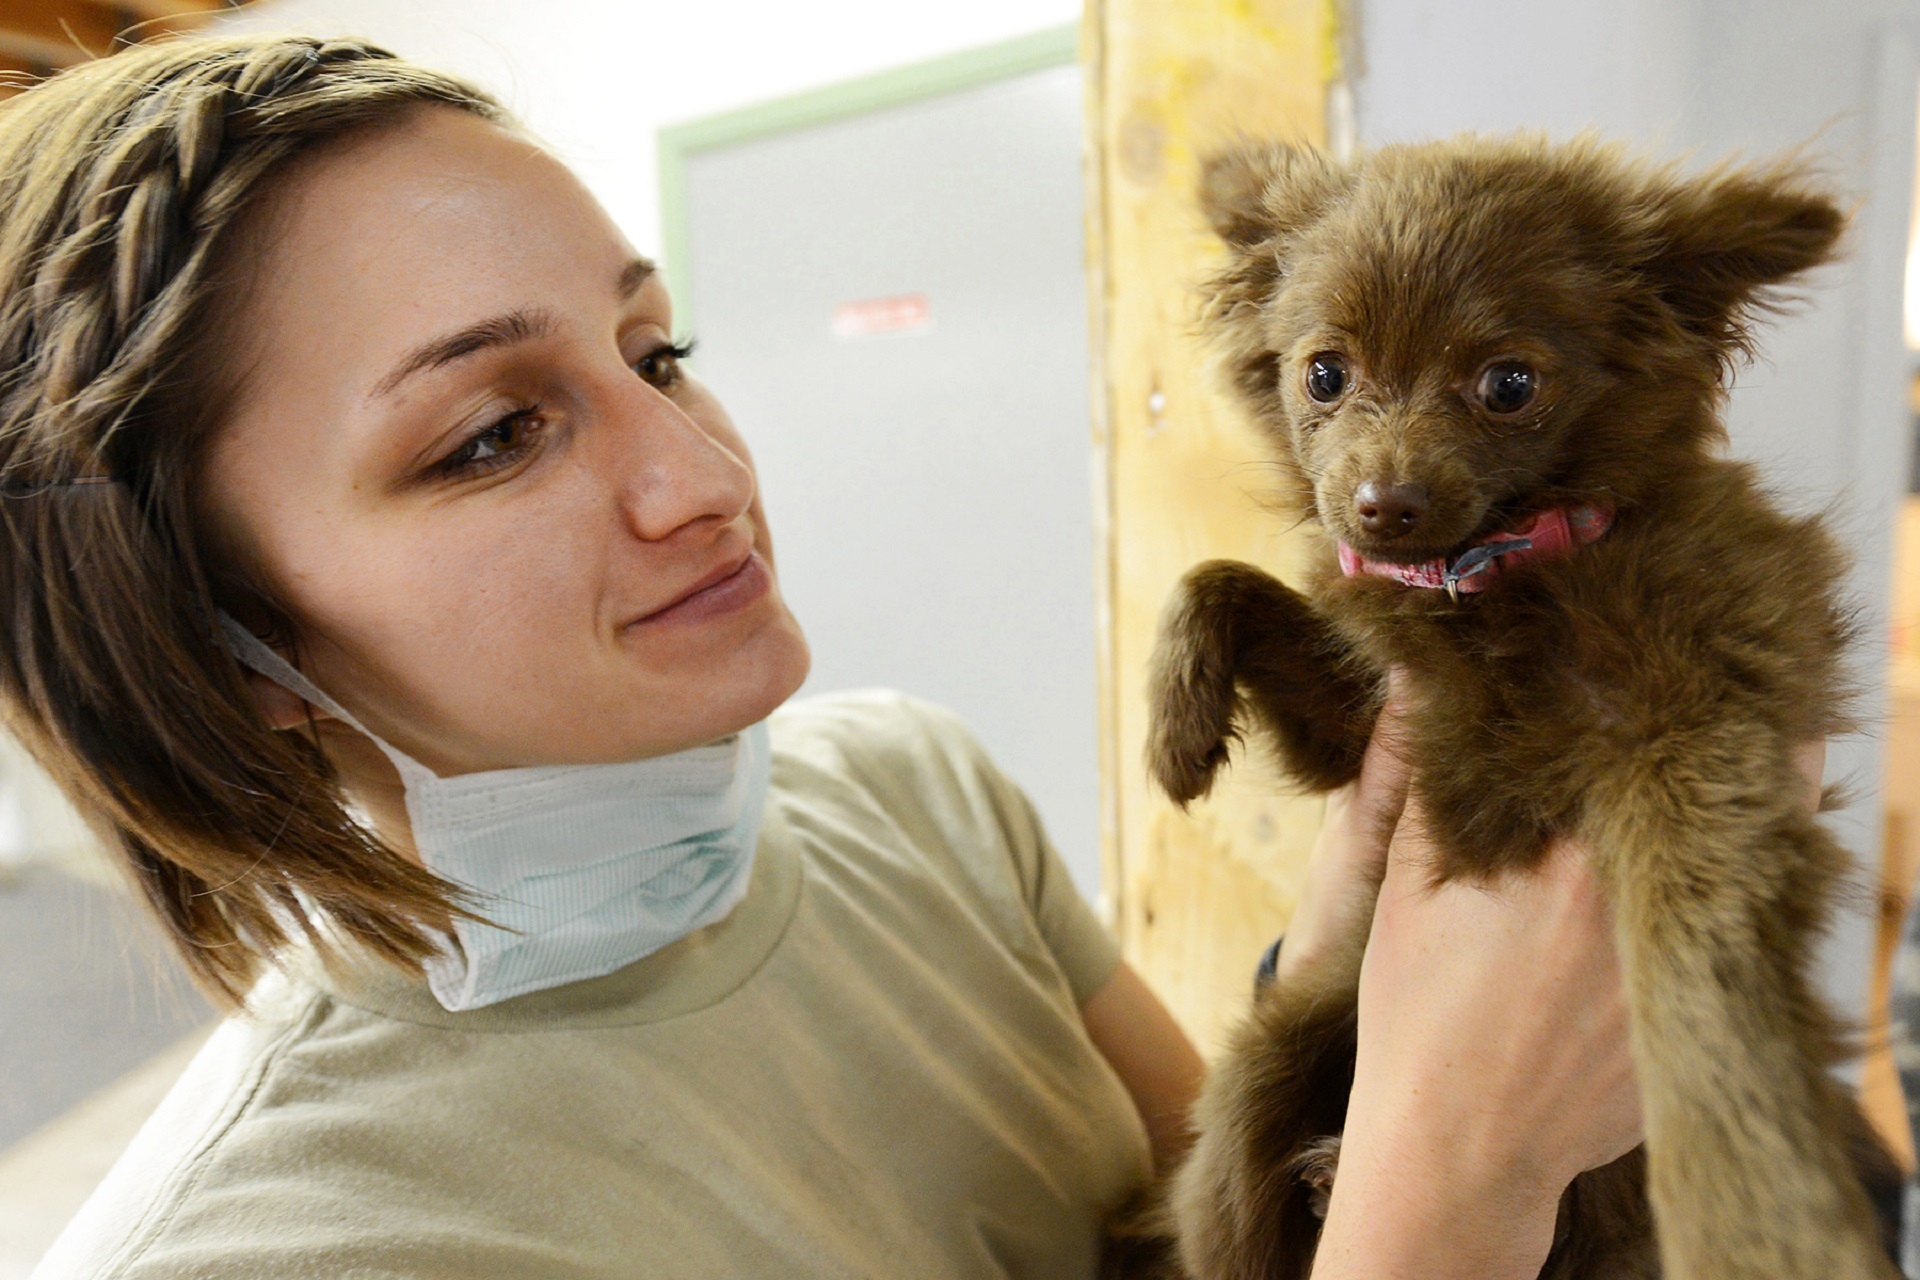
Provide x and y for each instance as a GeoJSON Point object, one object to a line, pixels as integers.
{"type": "Point", "coordinates": [280, 706]}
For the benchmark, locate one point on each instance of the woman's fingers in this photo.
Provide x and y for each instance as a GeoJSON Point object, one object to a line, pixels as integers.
{"type": "Point", "coordinates": [1494, 1061]}
{"type": "Point", "coordinates": [1361, 816]}
{"type": "Point", "coordinates": [1577, 938]}
{"type": "Point", "coordinates": [1811, 760]}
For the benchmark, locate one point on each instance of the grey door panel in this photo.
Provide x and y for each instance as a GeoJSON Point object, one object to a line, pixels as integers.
{"type": "Point", "coordinates": [926, 459]}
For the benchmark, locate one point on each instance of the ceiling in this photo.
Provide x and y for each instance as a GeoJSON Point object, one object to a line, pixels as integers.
{"type": "Point", "coordinates": [41, 36]}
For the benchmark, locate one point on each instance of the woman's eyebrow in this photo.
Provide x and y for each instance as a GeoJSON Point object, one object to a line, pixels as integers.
{"type": "Point", "coordinates": [497, 331]}
{"type": "Point", "coordinates": [632, 276]}
{"type": "Point", "coordinates": [500, 331]}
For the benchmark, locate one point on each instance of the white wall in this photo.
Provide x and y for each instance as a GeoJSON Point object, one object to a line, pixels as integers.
{"type": "Point", "coordinates": [1823, 409]}
{"type": "Point", "coordinates": [37, 825]}
{"type": "Point", "coordinates": [596, 79]}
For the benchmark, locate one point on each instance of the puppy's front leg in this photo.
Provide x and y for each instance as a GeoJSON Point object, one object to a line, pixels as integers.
{"type": "Point", "coordinates": [1717, 891]}
{"type": "Point", "coordinates": [1236, 643]}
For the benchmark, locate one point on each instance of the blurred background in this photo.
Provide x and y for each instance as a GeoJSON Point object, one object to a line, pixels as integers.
{"type": "Point", "coordinates": [939, 262]}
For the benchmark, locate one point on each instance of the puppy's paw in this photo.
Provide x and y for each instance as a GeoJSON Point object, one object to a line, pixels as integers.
{"type": "Point", "coordinates": [1191, 699]}
{"type": "Point", "coordinates": [1186, 748]}
{"type": "Point", "coordinates": [1315, 1164]}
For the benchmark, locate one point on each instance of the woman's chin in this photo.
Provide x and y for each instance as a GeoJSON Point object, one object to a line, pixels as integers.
{"type": "Point", "coordinates": [660, 710]}
{"type": "Point", "coordinates": [763, 676]}
{"type": "Point", "coordinates": [780, 678]}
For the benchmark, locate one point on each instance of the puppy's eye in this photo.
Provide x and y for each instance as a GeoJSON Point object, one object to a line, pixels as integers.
{"type": "Point", "coordinates": [1507, 387]}
{"type": "Point", "coordinates": [1326, 377]}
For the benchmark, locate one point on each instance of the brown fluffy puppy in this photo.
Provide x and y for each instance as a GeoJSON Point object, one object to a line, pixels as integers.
{"type": "Point", "coordinates": [1443, 342]}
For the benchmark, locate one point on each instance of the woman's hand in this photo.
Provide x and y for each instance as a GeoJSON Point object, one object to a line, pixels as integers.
{"type": "Point", "coordinates": [1493, 1066]}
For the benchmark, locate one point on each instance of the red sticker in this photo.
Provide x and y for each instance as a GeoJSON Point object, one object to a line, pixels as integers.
{"type": "Point", "coordinates": [870, 317]}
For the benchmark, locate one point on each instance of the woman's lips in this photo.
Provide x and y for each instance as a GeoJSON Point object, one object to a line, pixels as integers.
{"type": "Point", "coordinates": [734, 589]}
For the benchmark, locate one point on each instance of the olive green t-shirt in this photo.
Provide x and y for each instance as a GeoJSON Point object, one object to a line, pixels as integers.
{"type": "Point", "coordinates": [874, 1067]}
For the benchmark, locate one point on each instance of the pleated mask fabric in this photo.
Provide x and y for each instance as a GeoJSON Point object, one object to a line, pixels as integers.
{"type": "Point", "coordinates": [579, 869]}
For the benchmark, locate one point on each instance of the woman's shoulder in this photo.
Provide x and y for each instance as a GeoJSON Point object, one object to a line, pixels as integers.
{"type": "Point", "coordinates": [885, 745]}
{"type": "Point", "coordinates": [882, 750]}
{"type": "Point", "coordinates": [133, 1206]}
{"type": "Point", "coordinates": [876, 724]}
{"type": "Point", "coordinates": [886, 777]}
{"type": "Point", "coordinates": [313, 1137]}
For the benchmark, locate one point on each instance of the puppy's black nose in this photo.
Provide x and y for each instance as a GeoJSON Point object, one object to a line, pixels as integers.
{"type": "Point", "coordinates": [1389, 510]}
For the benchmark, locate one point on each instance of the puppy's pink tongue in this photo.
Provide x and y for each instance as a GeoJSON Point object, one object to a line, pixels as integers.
{"type": "Point", "coordinates": [1349, 560]}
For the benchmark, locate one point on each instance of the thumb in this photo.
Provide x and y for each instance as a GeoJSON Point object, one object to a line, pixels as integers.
{"type": "Point", "coordinates": [1381, 792]}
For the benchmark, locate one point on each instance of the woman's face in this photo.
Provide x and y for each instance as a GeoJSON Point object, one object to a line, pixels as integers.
{"type": "Point", "coordinates": [509, 527]}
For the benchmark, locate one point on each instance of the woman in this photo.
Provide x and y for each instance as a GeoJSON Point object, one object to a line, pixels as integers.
{"type": "Point", "coordinates": [404, 615]}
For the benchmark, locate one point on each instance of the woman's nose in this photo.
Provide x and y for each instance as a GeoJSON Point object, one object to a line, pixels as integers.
{"type": "Point", "coordinates": [672, 473]}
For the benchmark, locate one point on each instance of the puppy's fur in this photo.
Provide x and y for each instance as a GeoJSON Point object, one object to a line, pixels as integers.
{"type": "Point", "coordinates": [1643, 694]}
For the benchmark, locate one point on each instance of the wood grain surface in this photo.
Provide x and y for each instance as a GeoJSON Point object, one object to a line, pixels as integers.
{"type": "Point", "coordinates": [1195, 897]}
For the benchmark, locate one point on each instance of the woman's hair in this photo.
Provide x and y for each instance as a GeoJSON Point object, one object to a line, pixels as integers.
{"type": "Point", "coordinates": [125, 188]}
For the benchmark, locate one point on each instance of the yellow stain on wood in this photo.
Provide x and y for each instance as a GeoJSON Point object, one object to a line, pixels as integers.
{"type": "Point", "coordinates": [1196, 897]}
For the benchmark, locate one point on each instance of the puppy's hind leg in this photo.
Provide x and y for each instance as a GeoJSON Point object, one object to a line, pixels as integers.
{"type": "Point", "coordinates": [1718, 884]}
{"type": "Point", "coordinates": [1237, 645]}
{"type": "Point", "coordinates": [1250, 1198]}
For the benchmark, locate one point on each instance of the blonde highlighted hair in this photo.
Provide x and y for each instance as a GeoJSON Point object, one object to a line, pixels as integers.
{"type": "Point", "coordinates": [125, 186]}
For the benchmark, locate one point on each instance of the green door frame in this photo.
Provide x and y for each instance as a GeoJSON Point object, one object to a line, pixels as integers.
{"type": "Point", "coordinates": [1055, 47]}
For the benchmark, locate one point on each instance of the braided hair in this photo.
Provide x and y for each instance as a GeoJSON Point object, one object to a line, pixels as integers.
{"type": "Point", "coordinates": [125, 188]}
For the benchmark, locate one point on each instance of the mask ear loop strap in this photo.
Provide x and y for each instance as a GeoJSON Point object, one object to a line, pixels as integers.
{"type": "Point", "coordinates": [251, 651]}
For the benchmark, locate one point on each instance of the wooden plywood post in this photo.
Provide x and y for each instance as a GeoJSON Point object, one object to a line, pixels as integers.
{"type": "Point", "coordinates": [1195, 897]}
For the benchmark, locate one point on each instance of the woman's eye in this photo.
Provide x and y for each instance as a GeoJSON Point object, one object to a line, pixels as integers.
{"type": "Point", "coordinates": [1507, 387]}
{"type": "Point", "coordinates": [1326, 377]}
{"type": "Point", "coordinates": [661, 366]}
{"type": "Point", "coordinates": [495, 445]}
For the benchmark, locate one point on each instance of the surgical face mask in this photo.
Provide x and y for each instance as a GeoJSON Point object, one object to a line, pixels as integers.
{"type": "Point", "coordinates": [579, 869]}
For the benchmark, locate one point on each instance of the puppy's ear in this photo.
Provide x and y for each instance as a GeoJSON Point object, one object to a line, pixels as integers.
{"type": "Point", "coordinates": [1258, 196]}
{"type": "Point", "coordinates": [1253, 193]}
{"type": "Point", "coordinates": [1726, 241]}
